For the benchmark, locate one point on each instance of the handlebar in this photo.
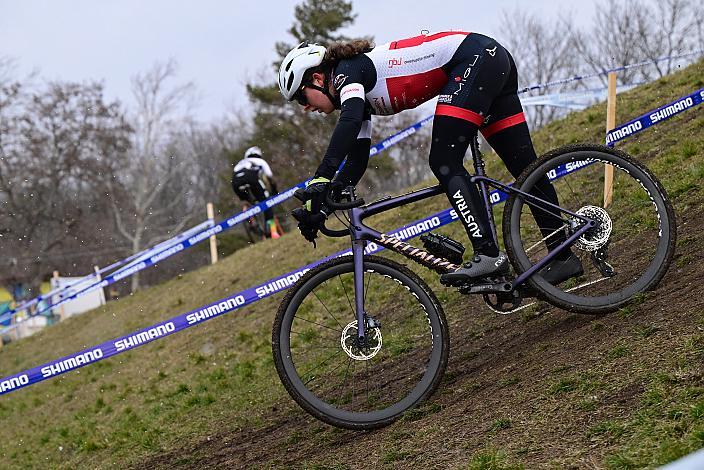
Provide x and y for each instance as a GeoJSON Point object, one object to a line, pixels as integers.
{"type": "Point", "coordinates": [333, 205]}
{"type": "Point", "coordinates": [341, 206]}
{"type": "Point", "coordinates": [333, 233]}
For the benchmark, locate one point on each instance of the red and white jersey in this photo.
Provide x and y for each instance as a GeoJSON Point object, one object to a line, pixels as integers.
{"type": "Point", "coordinates": [408, 72]}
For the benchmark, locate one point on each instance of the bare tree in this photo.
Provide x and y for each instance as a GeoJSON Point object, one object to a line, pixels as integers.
{"type": "Point", "coordinates": [542, 51]}
{"type": "Point", "coordinates": [613, 39]}
{"type": "Point", "coordinates": [406, 160]}
{"type": "Point", "coordinates": [152, 199]}
{"type": "Point", "coordinates": [59, 149]}
{"type": "Point", "coordinates": [667, 28]}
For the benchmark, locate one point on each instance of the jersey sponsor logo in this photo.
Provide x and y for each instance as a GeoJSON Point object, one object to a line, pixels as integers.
{"type": "Point", "coordinates": [400, 61]}
{"type": "Point", "coordinates": [444, 98]}
{"type": "Point", "coordinates": [339, 81]}
{"type": "Point", "coordinates": [466, 214]}
{"type": "Point", "coordinates": [418, 59]}
{"type": "Point", "coordinates": [353, 90]}
{"type": "Point", "coordinates": [461, 81]}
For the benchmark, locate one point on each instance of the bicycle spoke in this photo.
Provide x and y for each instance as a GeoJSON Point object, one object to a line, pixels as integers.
{"type": "Point", "coordinates": [344, 380]}
{"type": "Point", "coordinates": [320, 364]}
{"type": "Point", "coordinates": [621, 255]}
{"type": "Point", "coordinates": [320, 325]}
{"type": "Point", "coordinates": [347, 296]}
{"type": "Point", "coordinates": [329, 377]}
{"type": "Point", "coordinates": [327, 310]}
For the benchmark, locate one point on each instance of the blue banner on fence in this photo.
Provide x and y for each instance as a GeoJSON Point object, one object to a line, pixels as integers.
{"type": "Point", "coordinates": [383, 145]}
{"type": "Point", "coordinates": [655, 116]}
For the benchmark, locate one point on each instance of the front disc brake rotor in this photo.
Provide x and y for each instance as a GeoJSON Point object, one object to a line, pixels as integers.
{"type": "Point", "coordinates": [348, 341]}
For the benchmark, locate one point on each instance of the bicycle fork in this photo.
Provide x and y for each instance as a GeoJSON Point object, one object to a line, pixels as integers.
{"type": "Point", "coordinates": [358, 256]}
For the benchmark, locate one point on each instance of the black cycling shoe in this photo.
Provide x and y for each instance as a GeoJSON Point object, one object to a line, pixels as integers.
{"type": "Point", "coordinates": [558, 271]}
{"type": "Point", "coordinates": [481, 266]}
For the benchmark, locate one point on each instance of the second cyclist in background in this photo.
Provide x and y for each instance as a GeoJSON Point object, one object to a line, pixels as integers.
{"type": "Point", "coordinates": [253, 182]}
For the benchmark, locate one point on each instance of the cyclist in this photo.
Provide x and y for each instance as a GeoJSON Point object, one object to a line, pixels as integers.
{"type": "Point", "coordinates": [476, 82]}
{"type": "Point", "coordinates": [253, 182]}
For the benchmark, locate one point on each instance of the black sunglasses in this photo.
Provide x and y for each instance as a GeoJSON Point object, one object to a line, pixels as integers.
{"type": "Point", "coordinates": [300, 97]}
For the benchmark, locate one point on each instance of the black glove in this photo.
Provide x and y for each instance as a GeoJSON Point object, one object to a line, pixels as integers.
{"type": "Point", "coordinates": [314, 194]}
{"type": "Point", "coordinates": [314, 213]}
{"type": "Point", "coordinates": [308, 223]}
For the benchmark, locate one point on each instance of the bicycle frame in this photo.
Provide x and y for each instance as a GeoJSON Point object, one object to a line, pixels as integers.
{"type": "Point", "coordinates": [360, 234]}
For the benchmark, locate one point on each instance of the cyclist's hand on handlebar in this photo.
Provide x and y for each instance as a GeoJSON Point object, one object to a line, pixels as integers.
{"type": "Point", "coordinates": [315, 211]}
{"type": "Point", "coordinates": [314, 194]}
{"type": "Point", "coordinates": [308, 223]}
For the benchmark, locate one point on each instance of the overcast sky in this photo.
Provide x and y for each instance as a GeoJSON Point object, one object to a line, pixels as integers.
{"type": "Point", "coordinates": [219, 45]}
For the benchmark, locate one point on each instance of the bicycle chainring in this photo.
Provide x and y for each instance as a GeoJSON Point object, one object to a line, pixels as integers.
{"type": "Point", "coordinates": [503, 302]}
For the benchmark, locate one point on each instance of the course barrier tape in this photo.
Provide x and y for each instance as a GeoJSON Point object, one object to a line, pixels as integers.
{"type": "Point", "coordinates": [153, 255]}
{"type": "Point", "coordinates": [230, 303]}
{"type": "Point", "coordinates": [129, 261]}
{"type": "Point", "coordinates": [236, 301]}
{"type": "Point", "coordinates": [655, 116]}
{"type": "Point", "coordinates": [606, 72]}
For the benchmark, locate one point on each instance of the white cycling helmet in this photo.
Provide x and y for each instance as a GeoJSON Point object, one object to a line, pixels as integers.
{"type": "Point", "coordinates": [303, 57]}
{"type": "Point", "coordinates": [253, 151]}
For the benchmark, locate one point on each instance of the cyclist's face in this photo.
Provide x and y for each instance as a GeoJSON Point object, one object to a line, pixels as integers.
{"type": "Point", "coordinates": [315, 99]}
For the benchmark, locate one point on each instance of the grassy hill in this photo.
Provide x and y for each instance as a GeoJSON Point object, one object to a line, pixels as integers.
{"type": "Point", "coordinates": [539, 389]}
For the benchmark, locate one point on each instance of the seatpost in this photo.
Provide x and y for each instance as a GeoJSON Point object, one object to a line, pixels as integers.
{"type": "Point", "coordinates": [479, 171]}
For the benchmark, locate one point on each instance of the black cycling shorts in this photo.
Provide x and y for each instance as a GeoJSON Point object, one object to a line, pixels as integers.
{"type": "Point", "coordinates": [482, 86]}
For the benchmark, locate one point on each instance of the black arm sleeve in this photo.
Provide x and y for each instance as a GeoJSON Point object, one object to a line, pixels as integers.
{"type": "Point", "coordinates": [356, 164]}
{"type": "Point", "coordinates": [343, 137]}
{"type": "Point", "coordinates": [358, 158]}
{"type": "Point", "coordinates": [357, 71]}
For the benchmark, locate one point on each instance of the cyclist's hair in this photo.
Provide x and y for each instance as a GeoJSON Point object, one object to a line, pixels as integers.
{"type": "Point", "coordinates": [347, 49]}
{"type": "Point", "coordinates": [336, 52]}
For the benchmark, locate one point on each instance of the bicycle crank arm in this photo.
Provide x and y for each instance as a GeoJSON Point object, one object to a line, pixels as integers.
{"type": "Point", "coordinates": [500, 311]}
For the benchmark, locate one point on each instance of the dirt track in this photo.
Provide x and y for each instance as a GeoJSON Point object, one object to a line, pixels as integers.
{"type": "Point", "coordinates": [504, 387]}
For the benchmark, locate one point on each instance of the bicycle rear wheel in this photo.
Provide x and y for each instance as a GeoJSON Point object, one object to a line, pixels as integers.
{"type": "Point", "coordinates": [635, 235]}
{"type": "Point", "coordinates": [320, 364]}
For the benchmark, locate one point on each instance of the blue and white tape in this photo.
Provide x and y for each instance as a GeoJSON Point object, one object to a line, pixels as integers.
{"type": "Point", "coordinates": [379, 147]}
{"type": "Point", "coordinates": [655, 116]}
{"type": "Point", "coordinates": [162, 251]}
{"type": "Point", "coordinates": [129, 261]}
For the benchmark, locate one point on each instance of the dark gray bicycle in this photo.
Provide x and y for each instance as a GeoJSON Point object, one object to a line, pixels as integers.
{"type": "Point", "coordinates": [361, 339]}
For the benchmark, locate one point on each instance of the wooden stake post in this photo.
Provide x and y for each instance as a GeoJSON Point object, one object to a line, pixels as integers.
{"type": "Point", "coordinates": [213, 240]}
{"type": "Point", "coordinates": [610, 124]}
{"type": "Point", "coordinates": [61, 307]}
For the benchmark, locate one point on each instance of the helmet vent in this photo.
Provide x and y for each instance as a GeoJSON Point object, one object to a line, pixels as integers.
{"type": "Point", "coordinates": [289, 82]}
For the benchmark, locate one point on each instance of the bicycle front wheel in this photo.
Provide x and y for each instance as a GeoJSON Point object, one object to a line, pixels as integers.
{"type": "Point", "coordinates": [329, 374]}
{"type": "Point", "coordinates": [630, 249]}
